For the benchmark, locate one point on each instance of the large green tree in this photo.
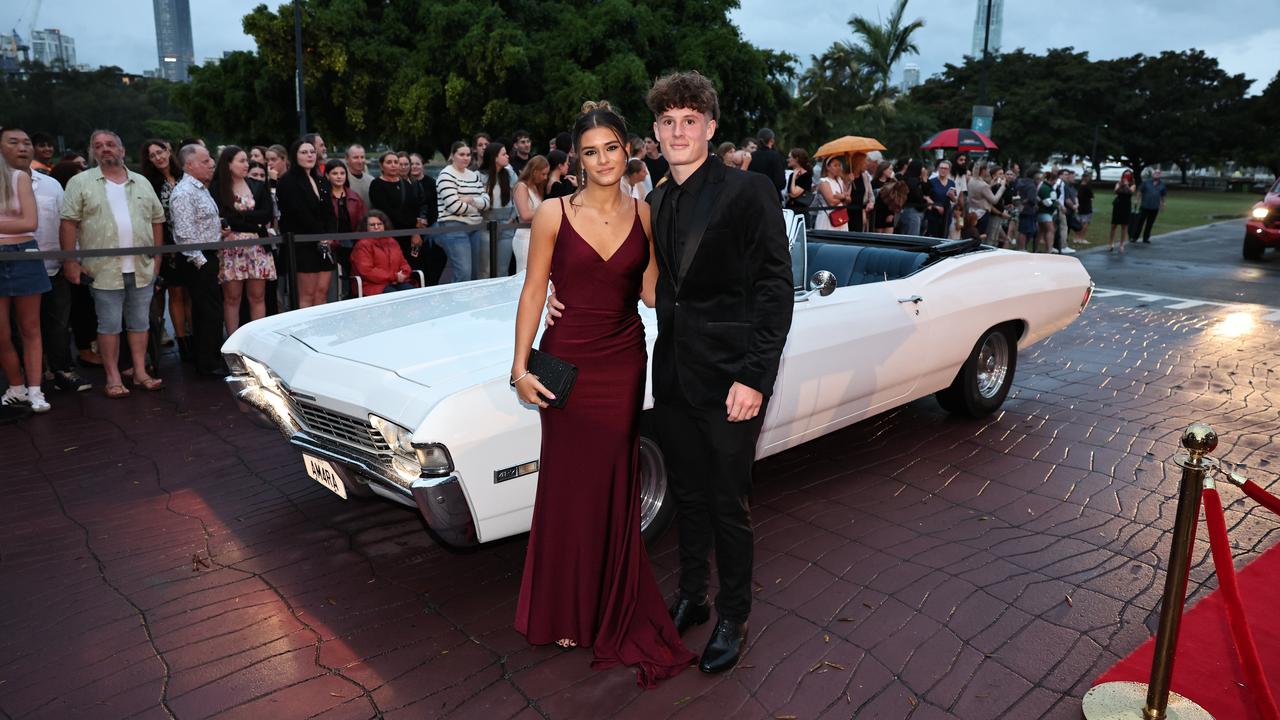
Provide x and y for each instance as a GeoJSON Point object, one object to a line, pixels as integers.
{"type": "Point", "coordinates": [427, 72]}
{"type": "Point", "coordinates": [72, 104]}
{"type": "Point", "coordinates": [1176, 107]}
{"type": "Point", "coordinates": [1257, 143]}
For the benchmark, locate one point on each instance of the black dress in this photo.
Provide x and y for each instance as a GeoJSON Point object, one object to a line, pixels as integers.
{"type": "Point", "coordinates": [303, 212]}
{"type": "Point", "coordinates": [1122, 207]}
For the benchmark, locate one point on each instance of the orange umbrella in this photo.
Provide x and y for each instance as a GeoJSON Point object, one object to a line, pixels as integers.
{"type": "Point", "coordinates": [849, 145]}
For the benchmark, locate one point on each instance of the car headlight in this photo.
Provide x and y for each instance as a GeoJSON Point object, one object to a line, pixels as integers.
{"type": "Point", "coordinates": [434, 459]}
{"type": "Point", "coordinates": [261, 373]}
{"type": "Point", "coordinates": [1260, 213]}
{"type": "Point", "coordinates": [408, 460]}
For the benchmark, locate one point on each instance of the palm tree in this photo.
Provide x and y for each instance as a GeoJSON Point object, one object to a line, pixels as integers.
{"type": "Point", "coordinates": [883, 45]}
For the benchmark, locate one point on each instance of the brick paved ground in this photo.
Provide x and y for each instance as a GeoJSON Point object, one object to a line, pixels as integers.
{"type": "Point", "coordinates": [165, 557]}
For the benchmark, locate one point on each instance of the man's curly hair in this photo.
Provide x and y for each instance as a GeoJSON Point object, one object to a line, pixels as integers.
{"type": "Point", "coordinates": [684, 90]}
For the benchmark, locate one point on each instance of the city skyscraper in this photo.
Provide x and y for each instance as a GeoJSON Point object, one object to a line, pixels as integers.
{"type": "Point", "coordinates": [980, 26]}
{"type": "Point", "coordinates": [53, 49]}
{"type": "Point", "coordinates": [910, 76]}
{"type": "Point", "coordinates": [173, 38]}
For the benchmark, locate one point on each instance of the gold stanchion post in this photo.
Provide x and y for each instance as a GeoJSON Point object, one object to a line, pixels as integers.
{"type": "Point", "coordinates": [1155, 700]}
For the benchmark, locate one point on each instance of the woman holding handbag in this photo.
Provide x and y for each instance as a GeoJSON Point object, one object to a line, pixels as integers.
{"type": "Point", "coordinates": [587, 579]}
{"type": "Point", "coordinates": [832, 192]}
{"type": "Point", "coordinates": [800, 185]}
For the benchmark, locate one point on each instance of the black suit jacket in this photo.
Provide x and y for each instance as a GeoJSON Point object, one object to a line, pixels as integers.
{"type": "Point", "coordinates": [724, 314]}
{"type": "Point", "coordinates": [769, 162]}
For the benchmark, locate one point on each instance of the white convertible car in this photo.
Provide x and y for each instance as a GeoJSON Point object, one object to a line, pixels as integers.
{"type": "Point", "coordinates": [405, 395]}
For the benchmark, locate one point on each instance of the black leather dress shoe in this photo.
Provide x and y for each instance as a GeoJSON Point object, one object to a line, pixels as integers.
{"type": "Point", "coordinates": [725, 646]}
{"type": "Point", "coordinates": [687, 613]}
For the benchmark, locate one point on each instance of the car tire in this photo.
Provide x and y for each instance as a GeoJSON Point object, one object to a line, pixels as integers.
{"type": "Point", "coordinates": [657, 506]}
{"type": "Point", "coordinates": [985, 377]}
{"type": "Point", "coordinates": [1253, 247]}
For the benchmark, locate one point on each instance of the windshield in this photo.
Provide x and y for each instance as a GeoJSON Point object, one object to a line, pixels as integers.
{"type": "Point", "coordinates": [797, 239]}
{"type": "Point", "coordinates": [1276, 188]}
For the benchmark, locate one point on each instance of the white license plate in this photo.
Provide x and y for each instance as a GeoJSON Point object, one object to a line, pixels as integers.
{"type": "Point", "coordinates": [322, 472]}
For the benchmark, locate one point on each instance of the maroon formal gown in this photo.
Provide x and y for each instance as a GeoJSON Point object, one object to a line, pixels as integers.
{"type": "Point", "coordinates": [587, 574]}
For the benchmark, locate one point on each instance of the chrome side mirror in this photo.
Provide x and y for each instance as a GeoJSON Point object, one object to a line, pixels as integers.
{"type": "Point", "coordinates": [823, 282]}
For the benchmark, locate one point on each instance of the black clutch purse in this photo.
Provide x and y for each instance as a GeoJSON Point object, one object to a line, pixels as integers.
{"type": "Point", "coordinates": [555, 375]}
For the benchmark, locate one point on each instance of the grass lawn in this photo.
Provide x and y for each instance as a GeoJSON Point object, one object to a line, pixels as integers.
{"type": "Point", "coordinates": [1183, 209]}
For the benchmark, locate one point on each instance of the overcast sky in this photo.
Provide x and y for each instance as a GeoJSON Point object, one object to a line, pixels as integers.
{"type": "Point", "coordinates": [1242, 34]}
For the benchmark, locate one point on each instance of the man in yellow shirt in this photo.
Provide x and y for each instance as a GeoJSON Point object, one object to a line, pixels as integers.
{"type": "Point", "coordinates": [111, 207]}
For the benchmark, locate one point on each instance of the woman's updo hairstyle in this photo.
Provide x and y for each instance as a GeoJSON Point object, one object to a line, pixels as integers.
{"type": "Point", "coordinates": [596, 115]}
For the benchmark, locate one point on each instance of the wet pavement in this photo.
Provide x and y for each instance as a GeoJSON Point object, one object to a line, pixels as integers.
{"type": "Point", "coordinates": [164, 557]}
{"type": "Point", "coordinates": [1202, 262]}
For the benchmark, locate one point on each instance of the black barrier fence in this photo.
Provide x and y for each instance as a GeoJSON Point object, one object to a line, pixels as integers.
{"type": "Point", "coordinates": [289, 241]}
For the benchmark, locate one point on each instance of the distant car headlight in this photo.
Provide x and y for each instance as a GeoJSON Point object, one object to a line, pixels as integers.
{"type": "Point", "coordinates": [1260, 213]}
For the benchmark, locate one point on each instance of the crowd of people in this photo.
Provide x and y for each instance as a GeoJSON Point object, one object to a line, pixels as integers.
{"type": "Point", "coordinates": [187, 193]}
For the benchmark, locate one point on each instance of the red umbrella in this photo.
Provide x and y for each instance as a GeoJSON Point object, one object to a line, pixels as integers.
{"type": "Point", "coordinates": [960, 139]}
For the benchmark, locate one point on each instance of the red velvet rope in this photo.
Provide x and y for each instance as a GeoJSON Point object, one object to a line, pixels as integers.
{"type": "Point", "coordinates": [1262, 497]}
{"type": "Point", "coordinates": [1223, 564]}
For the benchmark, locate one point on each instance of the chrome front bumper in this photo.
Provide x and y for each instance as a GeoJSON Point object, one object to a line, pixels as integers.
{"type": "Point", "coordinates": [440, 500]}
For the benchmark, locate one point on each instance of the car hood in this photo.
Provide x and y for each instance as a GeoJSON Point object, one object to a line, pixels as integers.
{"type": "Point", "coordinates": [452, 335]}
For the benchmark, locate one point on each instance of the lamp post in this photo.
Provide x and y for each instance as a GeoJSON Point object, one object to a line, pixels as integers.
{"type": "Point", "coordinates": [982, 112]}
{"type": "Point", "coordinates": [299, 90]}
{"type": "Point", "coordinates": [1093, 156]}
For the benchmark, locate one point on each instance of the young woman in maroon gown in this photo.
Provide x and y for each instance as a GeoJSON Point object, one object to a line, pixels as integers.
{"type": "Point", "coordinates": [587, 579]}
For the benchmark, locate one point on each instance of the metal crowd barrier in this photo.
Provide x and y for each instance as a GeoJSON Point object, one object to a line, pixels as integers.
{"type": "Point", "coordinates": [290, 241]}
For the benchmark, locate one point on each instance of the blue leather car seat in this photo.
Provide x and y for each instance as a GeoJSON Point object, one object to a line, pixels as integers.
{"type": "Point", "coordinates": [856, 264]}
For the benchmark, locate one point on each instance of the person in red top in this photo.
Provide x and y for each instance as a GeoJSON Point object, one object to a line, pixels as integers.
{"type": "Point", "coordinates": [378, 260]}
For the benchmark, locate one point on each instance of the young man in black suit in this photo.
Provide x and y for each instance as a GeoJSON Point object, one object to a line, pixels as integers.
{"type": "Point", "coordinates": [724, 302]}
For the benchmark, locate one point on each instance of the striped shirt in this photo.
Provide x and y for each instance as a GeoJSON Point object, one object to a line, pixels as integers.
{"type": "Point", "coordinates": [452, 187]}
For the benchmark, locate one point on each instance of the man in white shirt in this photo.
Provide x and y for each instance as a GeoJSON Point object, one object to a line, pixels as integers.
{"type": "Point", "coordinates": [196, 220]}
{"type": "Point", "coordinates": [111, 207]}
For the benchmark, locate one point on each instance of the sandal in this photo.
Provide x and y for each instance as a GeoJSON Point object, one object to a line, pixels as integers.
{"type": "Point", "coordinates": [151, 384]}
{"type": "Point", "coordinates": [115, 392]}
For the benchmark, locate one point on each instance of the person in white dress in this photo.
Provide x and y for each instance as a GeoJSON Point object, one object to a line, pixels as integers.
{"type": "Point", "coordinates": [529, 192]}
{"type": "Point", "coordinates": [832, 191]}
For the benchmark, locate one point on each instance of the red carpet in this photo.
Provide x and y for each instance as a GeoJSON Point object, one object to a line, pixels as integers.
{"type": "Point", "coordinates": [1206, 668]}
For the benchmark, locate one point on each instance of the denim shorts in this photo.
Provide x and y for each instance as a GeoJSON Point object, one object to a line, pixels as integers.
{"type": "Point", "coordinates": [23, 277]}
{"type": "Point", "coordinates": [133, 304]}
{"type": "Point", "coordinates": [1044, 217]}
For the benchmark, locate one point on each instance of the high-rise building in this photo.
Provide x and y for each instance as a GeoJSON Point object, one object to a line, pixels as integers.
{"type": "Point", "coordinates": [173, 38]}
{"type": "Point", "coordinates": [53, 49]}
{"type": "Point", "coordinates": [980, 26]}
{"type": "Point", "coordinates": [910, 76]}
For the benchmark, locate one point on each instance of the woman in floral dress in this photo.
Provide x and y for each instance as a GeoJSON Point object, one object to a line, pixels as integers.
{"type": "Point", "coordinates": [245, 207]}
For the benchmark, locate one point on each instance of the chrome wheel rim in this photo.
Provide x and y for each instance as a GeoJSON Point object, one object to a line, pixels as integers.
{"type": "Point", "coordinates": [653, 482]}
{"type": "Point", "coordinates": [993, 364]}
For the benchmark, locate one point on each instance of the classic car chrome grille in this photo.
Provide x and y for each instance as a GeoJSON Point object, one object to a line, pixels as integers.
{"type": "Point", "coordinates": [335, 427]}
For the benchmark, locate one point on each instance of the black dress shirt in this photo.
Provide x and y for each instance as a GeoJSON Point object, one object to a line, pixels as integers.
{"type": "Point", "coordinates": [676, 224]}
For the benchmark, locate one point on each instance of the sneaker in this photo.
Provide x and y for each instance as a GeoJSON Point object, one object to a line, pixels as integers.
{"type": "Point", "coordinates": [14, 396]}
{"type": "Point", "coordinates": [38, 403]}
{"type": "Point", "coordinates": [1068, 250]}
{"type": "Point", "coordinates": [69, 381]}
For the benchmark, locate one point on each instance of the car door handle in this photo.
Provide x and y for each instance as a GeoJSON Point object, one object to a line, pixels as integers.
{"type": "Point", "coordinates": [913, 299]}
